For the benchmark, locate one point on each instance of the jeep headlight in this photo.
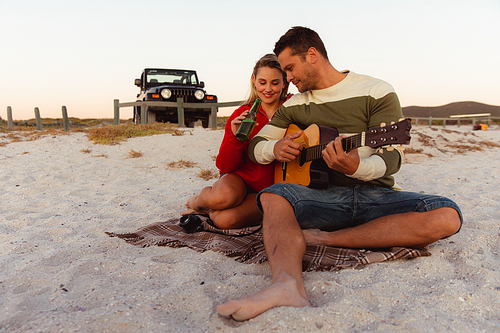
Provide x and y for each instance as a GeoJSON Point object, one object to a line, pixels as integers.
{"type": "Point", "coordinates": [166, 93]}
{"type": "Point", "coordinates": [199, 94]}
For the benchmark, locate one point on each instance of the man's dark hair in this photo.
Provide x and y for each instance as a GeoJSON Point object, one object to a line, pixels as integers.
{"type": "Point", "coordinates": [300, 39]}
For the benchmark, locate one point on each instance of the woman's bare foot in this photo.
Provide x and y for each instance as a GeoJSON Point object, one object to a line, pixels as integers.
{"type": "Point", "coordinates": [192, 208]}
{"type": "Point", "coordinates": [191, 203]}
{"type": "Point", "coordinates": [190, 211]}
{"type": "Point", "coordinates": [278, 294]}
{"type": "Point", "coordinates": [197, 212]}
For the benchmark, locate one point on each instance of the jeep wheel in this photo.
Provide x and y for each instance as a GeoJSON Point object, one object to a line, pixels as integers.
{"type": "Point", "coordinates": [205, 121]}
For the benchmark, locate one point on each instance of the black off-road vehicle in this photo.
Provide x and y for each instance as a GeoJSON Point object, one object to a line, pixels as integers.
{"type": "Point", "coordinates": [166, 85]}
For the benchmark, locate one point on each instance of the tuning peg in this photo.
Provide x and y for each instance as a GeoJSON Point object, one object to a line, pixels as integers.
{"type": "Point", "coordinates": [392, 122]}
{"type": "Point", "coordinates": [382, 124]}
{"type": "Point", "coordinates": [390, 148]}
{"type": "Point", "coordinates": [400, 148]}
{"type": "Point", "coordinates": [381, 151]}
{"type": "Point", "coordinates": [401, 119]}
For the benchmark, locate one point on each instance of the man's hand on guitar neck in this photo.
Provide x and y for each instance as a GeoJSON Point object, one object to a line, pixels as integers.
{"type": "Point", "coordinates": [286, 150]}
{"type": "Point", "coordinates": [337, 159]}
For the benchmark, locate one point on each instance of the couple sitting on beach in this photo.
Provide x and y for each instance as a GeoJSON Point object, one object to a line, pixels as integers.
{"type": "Point", "coordinates": [362, 207]}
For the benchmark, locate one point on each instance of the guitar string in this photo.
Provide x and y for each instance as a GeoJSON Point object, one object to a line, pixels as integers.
{"type": "Point", "coordinates": [314, 152]}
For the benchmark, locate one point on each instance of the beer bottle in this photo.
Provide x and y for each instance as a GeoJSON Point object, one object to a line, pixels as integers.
{"type": "Point", "coordinates": [247, 124]}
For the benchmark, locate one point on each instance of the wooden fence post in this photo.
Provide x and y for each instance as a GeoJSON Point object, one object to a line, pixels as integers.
{"type": "Point", "coordinates": [10, 122]}
{"type": "Point", "coordinates": [430, 121]}
{"type": "Point", "coordinates": [180, 112]}
{"type": "Point", "coordinates": [38, 120]}
{"type": "Point", "coordinates": [65, 118]}
{"type": "Point", "coordinates": [212, 121]}
{"type": "Point", "coordinates": [144, 114]}
{"type": "Point", "coordinates": [116, 108]}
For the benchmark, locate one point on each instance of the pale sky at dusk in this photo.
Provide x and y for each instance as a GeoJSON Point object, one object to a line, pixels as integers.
{"type": "Point", "coordinates": [84, 54]}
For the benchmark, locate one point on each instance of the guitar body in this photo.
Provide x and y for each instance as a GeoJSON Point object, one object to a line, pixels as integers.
{"type": "Point", "coordinates": [311, 172]}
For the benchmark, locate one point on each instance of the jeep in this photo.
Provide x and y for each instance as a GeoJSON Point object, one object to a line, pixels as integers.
{"type": "Point", "coordinates": [166, 85]}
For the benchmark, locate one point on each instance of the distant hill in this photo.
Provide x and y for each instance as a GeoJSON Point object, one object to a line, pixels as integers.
{"type": "Point", "coordinates": [447, 110]}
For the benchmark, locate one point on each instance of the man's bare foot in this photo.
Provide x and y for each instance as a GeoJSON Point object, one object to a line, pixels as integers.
{"type": "Point", "coordinates": [278, 294]}
{"type": "Point", "coordinates": [317, 237]}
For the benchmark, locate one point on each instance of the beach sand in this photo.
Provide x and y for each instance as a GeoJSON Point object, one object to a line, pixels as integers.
{"type": "Point", "coordinates": [60, 272]}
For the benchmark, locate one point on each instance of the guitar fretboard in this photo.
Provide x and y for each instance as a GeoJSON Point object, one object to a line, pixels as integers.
{"type": "Point", "coordinates": [314, 152]}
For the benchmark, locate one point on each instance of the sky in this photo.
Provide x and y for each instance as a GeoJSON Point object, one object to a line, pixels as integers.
{"type": "Point", "coordinates": [85, 54]}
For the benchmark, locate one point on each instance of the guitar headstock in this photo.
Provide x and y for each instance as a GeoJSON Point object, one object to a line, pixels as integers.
{"type": "Point", "coordinates": [396, 133]}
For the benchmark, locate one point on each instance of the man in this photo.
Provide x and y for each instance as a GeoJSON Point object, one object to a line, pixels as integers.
{"type": "Point", "coordinates": [362, 207]}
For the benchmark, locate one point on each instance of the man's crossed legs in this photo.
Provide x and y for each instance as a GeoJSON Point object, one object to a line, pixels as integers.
{"type": "Point", "coordinates": [287, 208]}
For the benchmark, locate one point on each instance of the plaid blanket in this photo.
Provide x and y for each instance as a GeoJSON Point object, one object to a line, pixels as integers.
{"type": "Point", "coordinates": [246, 246]}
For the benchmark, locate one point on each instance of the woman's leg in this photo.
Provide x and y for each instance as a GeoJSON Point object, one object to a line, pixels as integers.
{"type": "Point", "coordinates": [227, 203]}
{"type": "Point", "coordinates": [227, 192]}
{"type": "Point", "coordinates": [244, 215]}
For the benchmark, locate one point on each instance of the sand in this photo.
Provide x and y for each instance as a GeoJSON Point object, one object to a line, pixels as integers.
{"type": "Point", "coordinates": [60, 272]}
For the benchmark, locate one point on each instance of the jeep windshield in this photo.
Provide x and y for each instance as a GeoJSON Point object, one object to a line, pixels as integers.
{"type": "Point", "coordinates": [165, 76]}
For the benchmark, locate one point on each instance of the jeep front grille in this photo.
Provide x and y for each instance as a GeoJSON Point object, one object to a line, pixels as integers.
{"type": "Point", "coordinates": [182, 92]}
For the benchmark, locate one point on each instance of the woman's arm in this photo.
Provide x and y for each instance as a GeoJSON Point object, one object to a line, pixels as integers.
{"type": "Point", "coordinates": [231, 152]}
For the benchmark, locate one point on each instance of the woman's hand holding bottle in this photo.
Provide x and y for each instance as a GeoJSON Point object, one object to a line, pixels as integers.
{"type": "Point", "coordinates": [236, 122]}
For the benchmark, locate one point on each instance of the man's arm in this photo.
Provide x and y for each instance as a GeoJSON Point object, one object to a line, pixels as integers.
{"type": "Point", "coordinates": [365, 163]}
{"type": "Point", "coordinates": [353, 166]}
{"type": "Point", "coordinates": [376, 164]}
{"type": "Point", "coordinates": [270, 144]}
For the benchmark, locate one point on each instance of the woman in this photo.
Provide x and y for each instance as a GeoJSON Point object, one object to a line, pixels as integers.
{"type": "Point", "coordinates": [230, 201]}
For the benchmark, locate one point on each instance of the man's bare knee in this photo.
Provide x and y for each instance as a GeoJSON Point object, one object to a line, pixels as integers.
{"type": "Point", "coordinates": [266, 196]}
{"type": "Point", "coordinates": [269, 200]}
{"type": "Point", "coordinates": [449, 221]}
{"type": "Point", "coordinates": [439, 223]}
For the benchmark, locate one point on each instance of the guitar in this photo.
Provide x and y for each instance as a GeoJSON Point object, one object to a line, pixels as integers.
{"type": "Point", "coordinates": [309, 168]}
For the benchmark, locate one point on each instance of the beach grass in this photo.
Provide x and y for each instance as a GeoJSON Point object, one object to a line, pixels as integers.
{"type": "Point", "coordinates": [100, 134]}
{"type": "Point", "coordinates": [181, 164]}
{"type": "Point", "coordinates": [208, 173]}
{"type": "Point", "coordinates": [134, 154]}
{"type": "Point", "coordinates": [99, 131]}
{"type": "Point", "coordinates": [115, 134]}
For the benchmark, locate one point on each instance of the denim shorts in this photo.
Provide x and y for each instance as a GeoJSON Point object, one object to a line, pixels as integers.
{"type": "Point", "coordinates": [340, 207]}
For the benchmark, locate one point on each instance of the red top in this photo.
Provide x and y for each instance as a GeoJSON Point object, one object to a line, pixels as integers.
{"type": "Point", "coordinates": [233, 154]}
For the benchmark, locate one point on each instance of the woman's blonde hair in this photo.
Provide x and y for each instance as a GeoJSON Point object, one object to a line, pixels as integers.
{"type": "Point", "coordinates": [269, 60]}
